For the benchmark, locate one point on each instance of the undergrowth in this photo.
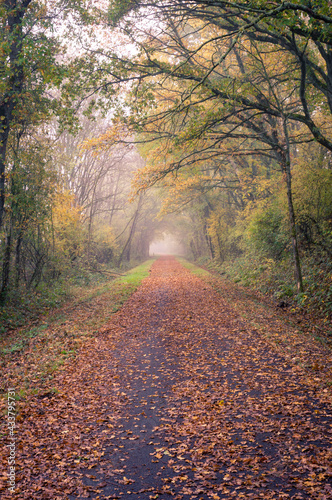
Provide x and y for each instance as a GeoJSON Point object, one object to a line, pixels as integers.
{"type": "Point", "coordinates": [27, 305]}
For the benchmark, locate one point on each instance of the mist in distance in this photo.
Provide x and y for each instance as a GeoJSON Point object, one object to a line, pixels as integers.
{"type": "Point", "coordinates": [166, 245]}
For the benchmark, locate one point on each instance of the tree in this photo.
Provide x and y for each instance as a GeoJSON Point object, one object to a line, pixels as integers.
{"type": "Point", "coordinates": [31, 183]}
{"type": "Point", "coordinates": [302, 29]}
{"type": "Point", "coordinates": [33, 67]}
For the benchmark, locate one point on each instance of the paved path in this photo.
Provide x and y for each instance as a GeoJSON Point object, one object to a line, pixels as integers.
{"type": "Point", "coordinates": [177, 399]}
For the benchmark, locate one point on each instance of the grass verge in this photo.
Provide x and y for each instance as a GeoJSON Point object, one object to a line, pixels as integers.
{"type": "Point", "coordinates": [29, 356]}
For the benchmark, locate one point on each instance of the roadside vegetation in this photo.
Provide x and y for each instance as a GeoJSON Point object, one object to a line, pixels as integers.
{"type": "Point", "coordinates": [32, 353]}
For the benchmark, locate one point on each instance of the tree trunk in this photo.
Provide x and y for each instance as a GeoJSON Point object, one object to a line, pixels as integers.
{"type": "Point", "coordinates": [15, 12]}
{"type": "Point", "coordinates": [115, 193]}
{"type": "Point", "coordinates": [6, 266]}
{"type": "Point", "coordinates": [193, 249]}
{"type": "Point", "coordinates": [125, 254]}
{"type": "Point", "coordinates": [208, 242]}
{"type": "Point", "coordinates": [287, 172]}
{"type": "Point", "coordinates": [4, 131]}
{"type": "Point", "coordinates": [18, 260]}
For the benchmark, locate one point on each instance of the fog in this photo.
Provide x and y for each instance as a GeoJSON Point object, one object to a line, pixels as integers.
{"type": "Point", "coordinates": [166, 245]}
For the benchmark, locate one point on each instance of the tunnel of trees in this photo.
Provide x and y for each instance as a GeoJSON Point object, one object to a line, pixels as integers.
{"type": "Point", "coordinates": [209, 120]}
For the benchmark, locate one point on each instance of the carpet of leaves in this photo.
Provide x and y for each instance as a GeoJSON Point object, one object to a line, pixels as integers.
{"type": "Point", "coordinates": [176, 398]}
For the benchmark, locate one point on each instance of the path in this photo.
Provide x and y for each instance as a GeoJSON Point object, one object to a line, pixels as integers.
{"type": "Point", "coordinates": [177, 399]}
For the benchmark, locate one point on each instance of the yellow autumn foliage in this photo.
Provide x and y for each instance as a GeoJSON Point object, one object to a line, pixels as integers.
{"type": "Point", "coordinates": [67, 226]}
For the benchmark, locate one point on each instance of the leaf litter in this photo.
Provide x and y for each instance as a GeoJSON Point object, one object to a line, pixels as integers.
{"type": "Point", "coordinates": [177, 397]}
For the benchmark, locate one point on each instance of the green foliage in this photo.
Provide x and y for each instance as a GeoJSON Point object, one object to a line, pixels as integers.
{"type": "Point", "coordinates": [318, 285]}
{"type": "Point", "coordinates": [25, 305]}
{"type": "Point", "coordinates": [268, 231]}
{"type": "Point", "coordinates": [312, 198]}
{"type": "Point", "coordinates": [118, 9]}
